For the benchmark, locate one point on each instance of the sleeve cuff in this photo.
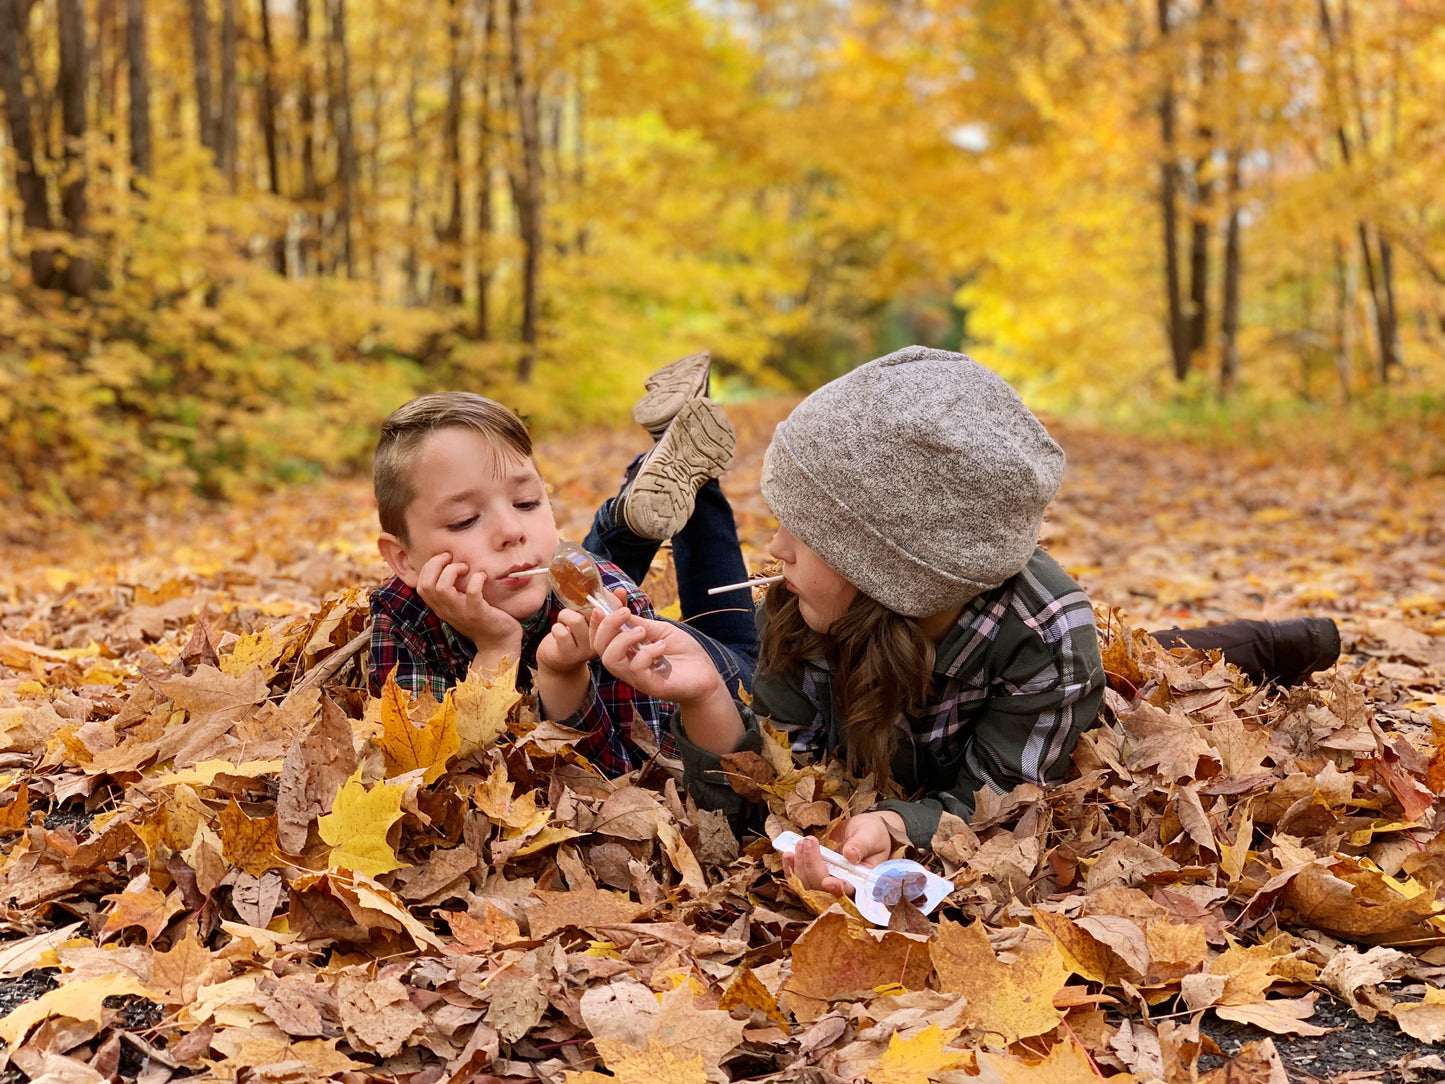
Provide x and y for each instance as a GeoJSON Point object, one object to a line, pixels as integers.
{"type": "Point", "coordinates": [701, 769]}
{"type": "Point", "coordinates": [921, 818]}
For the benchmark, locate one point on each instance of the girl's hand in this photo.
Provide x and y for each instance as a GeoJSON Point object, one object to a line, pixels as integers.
{"type": "Point", "coordinates": [694, 676]}
{"type": "Point", "coordinates": [568, 646]}
{"type": "Point", "coordinates": [454, 594]}
{"type": "Point", "coordinates": [865, 840]}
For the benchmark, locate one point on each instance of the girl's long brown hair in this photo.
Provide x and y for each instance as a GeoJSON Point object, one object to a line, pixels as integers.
{"type": "Point", "coordinates": [882, 667]}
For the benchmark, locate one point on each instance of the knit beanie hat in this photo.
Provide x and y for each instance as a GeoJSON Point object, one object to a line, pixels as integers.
{"type": "Point", "coordinates": [919, 477]}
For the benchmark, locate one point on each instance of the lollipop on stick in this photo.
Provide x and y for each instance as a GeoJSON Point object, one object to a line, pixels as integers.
{"type": "Point", "coordinates": [879, 888]}
{"type": "Point", "coordinates": [579, 585]}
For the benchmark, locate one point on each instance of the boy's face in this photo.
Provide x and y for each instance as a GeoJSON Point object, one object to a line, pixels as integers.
{"type": "Point", "coordinates": [485, 508]}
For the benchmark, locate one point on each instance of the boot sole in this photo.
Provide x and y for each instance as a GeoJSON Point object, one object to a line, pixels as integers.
{"type": "Point", "coordinates": [697, 446]}
{"type": "Point", "coordinates": [668, 389]}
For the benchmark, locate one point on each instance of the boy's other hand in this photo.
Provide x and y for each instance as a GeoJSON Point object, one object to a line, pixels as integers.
{"type": "Point", "coordinates": [455, 594]}
{"type": "Point", "coordinates": [568, 645]}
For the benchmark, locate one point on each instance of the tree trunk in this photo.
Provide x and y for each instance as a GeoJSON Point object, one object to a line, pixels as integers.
{"type": "Point", "coordinates": [1169, 208]}
{"type": "Point", "coordinates": [372, 205]}
{"type": "Point", "coordinates": [201, 50]}
{"type": "Point", "coordinates": [580, 174]}
{"type": "Point", "coordinates": [411, 264]}
{"type": "Point", "coordinates": [28, 180]}
{"type": "Point", "coordinates": [527, 189]}
{"type": "Point", "coordinates": [1344, 325]}
{"type": "Point", "coordinates": [345, 145]}
{"type": "Point", "coordinates": [485, 224]}
{"type": "Point", "coordinates": [104, 59]}
{"type": "Point", "coordinates": [268, 129]}
{"type": "Point", "coordinates": [1385, 315]}
{"type": "Point", "coordinates": [1201, 215]}
{"type": "Point", "coordinates": [30, 72]}
{"type": "Point", "coordinates": [140, 87]}
{"type": "Point", "coordinates": [226, 125]}
{"type": "Point", "coordinates": [450, 279]}
{"type": "Point", "coordinates": [309, 191]}
{"type": "Point", "coordinates": [1229, 305]}
{"type": "Point", "coordinates": [70, 90]}
{"type": "Point", "coordinates": [1381, 286]}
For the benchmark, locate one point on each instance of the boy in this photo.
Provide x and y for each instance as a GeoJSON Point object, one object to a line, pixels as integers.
{"type": "Point", "coordinates": [463, 509]}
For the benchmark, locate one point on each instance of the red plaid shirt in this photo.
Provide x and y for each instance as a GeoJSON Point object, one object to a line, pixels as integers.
{"type": "Point", "coordinates": [425, 650]}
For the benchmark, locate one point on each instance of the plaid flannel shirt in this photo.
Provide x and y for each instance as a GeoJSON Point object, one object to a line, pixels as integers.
{"type": "Point", "coordinates": [424, 650]}
{"type": "Point", "coordinates": [1015, 682]}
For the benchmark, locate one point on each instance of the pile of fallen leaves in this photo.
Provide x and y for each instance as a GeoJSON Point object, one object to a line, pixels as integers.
{"type": "Point", "coordinates": [223, 858]}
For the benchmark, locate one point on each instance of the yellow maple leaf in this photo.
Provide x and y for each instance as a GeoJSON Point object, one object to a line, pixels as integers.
{"type": "Point", "coordinates": [1247, 972]}
{"type": "Point", "coordinates": [1067, 1063]}
{"type": "Point", "coordinates": [916, 1060]}
{"type": "Point", "coordinates": [357, 825]}
{"type": "Point", "coordinates": [549, 835]}
{"type": "Point", "coordinates": [408, 747]}
{"type": "Point", "coordinates": [82, 1000]}
{"type": "Point", "coordinates": [631, 1065]}
{"type": "Point", "coordinates": [254, 649]}
{"type": "Point", "coordinates": [494, 797]}
{"type": "Point", "coordinates": [747, 989]}
{"type": "Point", "coordinates": [483, 703]}
{"type": "Point", "coordinates": [1015, 1000]}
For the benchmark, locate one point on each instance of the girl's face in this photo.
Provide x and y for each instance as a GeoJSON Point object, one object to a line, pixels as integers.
{"type": "Point", "coordinates": [823, 595]}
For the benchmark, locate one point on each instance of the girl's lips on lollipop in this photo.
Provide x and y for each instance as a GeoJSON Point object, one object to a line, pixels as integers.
{"type": "Point", "coordinates": [511, 578]}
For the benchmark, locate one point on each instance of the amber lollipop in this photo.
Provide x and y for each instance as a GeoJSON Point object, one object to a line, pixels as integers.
{"type": "Point", "coordinates": [579, 585]}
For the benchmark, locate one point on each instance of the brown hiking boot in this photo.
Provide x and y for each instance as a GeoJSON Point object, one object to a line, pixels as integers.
{"type": "Point", "coordinates": [657, 500]}
{"type": "Point", "coordinates": [668, 389]}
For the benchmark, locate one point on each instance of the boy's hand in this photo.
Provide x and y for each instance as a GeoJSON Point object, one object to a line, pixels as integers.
{"type": "Point", "coordinates": [568, 646]}
{"type": "Point", "coordinates": [562, 675]}
{"type": "Point", "coordinates": [629, 654]}
{"type": "Point", "coordinates": [454, 594]}
{"type": "Point", "coordinates": [864, 840]}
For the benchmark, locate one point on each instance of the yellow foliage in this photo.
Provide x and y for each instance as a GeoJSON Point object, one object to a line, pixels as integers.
{"type": "Point", "coordinates": [408, 747]}
{"type": "Point", "coordinates": [76, 1000]}
{"type": "Point", "coordinates": [918, 1059]}
{"type": "Point", "coordinates": [357, 826]}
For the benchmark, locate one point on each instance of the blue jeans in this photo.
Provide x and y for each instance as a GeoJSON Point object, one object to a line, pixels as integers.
{"type": "Point", "coordinates": [705, 553]}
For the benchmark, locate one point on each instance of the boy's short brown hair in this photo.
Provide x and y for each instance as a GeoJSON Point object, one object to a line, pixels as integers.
{"type": "Point", "coordinates": [411, 423]}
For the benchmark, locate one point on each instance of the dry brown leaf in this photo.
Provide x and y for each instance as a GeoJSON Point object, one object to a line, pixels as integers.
{"type": "Point", "coordinates": [837, 955]}
{"type": "Point", "coordinates": [1281, 1015]}
{"type": "Point", "coordinates": [249, 842]}
{"type": "Point", "coordinates": [1256, 1063]}
{"type": "Point", "coordinates": [377, 1014]}
{"type": "Point", "coordinates": [316, 767]}
{"type": "Point", "coordinates": [1067, 1063]}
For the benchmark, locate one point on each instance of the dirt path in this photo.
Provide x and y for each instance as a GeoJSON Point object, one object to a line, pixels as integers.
{"type": "Point", "coordinates": [1169, 534]}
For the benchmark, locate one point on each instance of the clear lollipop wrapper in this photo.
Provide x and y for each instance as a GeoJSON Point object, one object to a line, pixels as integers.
{"type": "Point", "coordinates": [578, 584]}
{"type": "Point", "coordinates": [878, 889]}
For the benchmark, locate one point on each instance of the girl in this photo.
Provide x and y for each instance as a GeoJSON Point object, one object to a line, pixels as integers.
{"type": "Point", "coordinates": [919, 631]}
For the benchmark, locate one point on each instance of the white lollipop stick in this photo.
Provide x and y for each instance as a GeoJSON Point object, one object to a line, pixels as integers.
{"type": "Point", "coordinates": [746, 583]}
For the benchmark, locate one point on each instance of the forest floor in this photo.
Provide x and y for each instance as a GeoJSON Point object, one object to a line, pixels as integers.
{"type": "Point", "coordinates": [1169, 533]}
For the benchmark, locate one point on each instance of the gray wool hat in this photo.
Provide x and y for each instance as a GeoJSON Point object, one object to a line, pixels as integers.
{"type": "Point", "coordinates": [919, 477]}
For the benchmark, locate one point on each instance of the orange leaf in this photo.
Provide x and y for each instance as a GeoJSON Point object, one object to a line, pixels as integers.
{"type": "Point", "coordinates": [249, 842]}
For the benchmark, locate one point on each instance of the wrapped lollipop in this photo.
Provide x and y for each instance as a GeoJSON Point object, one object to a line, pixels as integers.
{"type": "Point", "coordinates": [578, 583]}
{"type": "Point", "coordinates": [878, 889]}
